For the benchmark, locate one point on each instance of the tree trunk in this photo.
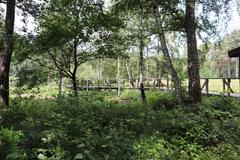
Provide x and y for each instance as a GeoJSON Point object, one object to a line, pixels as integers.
{"type": "Point", "coordinates": [177, 83]}
{"type": "Point", "coordinates": [141, 58]}
{"type": "Point", "coordinates": [5, 57]}
{"type": "Point", "coordinates": [143, 96]}
{"type": "Point", "coordinates": [75, 47]}
{"type": "Point", "coordinates": [130, 77]}
{"type": "Point", "coordinates": [74, 85]}
{"type": "Point", "coordinates": [118, 77]}
{"type": "Point", "coordinates": [147, 65]}
{"type": "Point", "coordinates": [194, 87]}
{"type": "Point", "coordinates": [60, 84]}
{"type": "Point", "coordinates": [141, 61]}
{"type": "Point", "coordinates": [220, 72]}
{"type": "Point", "coordinates": [158, 71]}
{"type": "Point", "coordinates": [100, 69]}
{"type": "Point", "coordinates": [158, 68]}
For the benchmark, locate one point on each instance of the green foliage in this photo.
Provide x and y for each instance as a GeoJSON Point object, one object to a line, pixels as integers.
{"type": "Point", "coordinates": [158, 99]}
{"type": "Point", "coordinates": [30, 75]}
{"type": "Point", "coordinates": [95, 127]}
{"type": "Point", "coordinates": [133, 95]}
{"type": "Point", "coordinates": [152, 147]}
{"type": "Point", "coordinates": [9, 140]}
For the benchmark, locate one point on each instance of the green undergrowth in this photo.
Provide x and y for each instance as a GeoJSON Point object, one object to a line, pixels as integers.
{"type": "Point", "coordinates": [94, 127]}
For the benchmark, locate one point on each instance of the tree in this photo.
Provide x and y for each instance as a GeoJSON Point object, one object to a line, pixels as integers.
{"type": "Point", "coordinates": [170, 12]}
{"type": "Point", "coordinates": [8, 43]}
{"type": "Point", "coordinates": [201, 23]}
{"type": "Point", "coordinates": [141, 48]}
{"type": "Point", "coordinates": [5, 56]}
{"type": "Point", "coordinates": [169, 64]}
{"type": "Point", "coordinates": [74, 32]}
{"type": "Point", "coordinates": [194, 87]}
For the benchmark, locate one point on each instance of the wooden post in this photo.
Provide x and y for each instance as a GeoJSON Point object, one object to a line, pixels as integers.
{"type": "Point", "coordinates": [98, 84]}
{"type": "Point", "coordinates": [229, 86]}
{"type": "Point", "coordinates": [87, 85]}
{"type": "Point", "coordinates": [109, 85]}
{"type": "Point", "coordinates": [235, 53]}
{"type": "Point", "coordinates": [119, 88]}
{"type": "Point", "coordinates": [207, 85]}
{"type": "Point", "coordinates": [143, 97]}
{"type": "Point", "coordinates": [159, 83]}
{"type": "Point", "coordinates": [167, 84]}
{"type": "Point", "coordinates": [224, 87]}
{"type": "Point", "coordinates": [155, 83]}
{"type": "Point", "coordinates": [82, 84]}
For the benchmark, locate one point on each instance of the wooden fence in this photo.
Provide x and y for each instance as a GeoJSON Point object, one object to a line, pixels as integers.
{"type": "Point", "coordinates": [224, 85]}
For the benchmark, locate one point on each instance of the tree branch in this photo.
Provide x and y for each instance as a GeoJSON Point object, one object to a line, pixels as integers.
{"type": "Point", "coordinates": [57, 65]}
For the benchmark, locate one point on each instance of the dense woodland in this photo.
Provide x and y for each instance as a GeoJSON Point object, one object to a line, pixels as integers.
{"type": "Point", "coordinates": [150, 55]}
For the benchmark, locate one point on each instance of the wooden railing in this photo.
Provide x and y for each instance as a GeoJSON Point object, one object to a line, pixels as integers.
{"type": "Point", "coordinates": [226, 85]}
{"type": "Point", "coordinates": [164, 84]}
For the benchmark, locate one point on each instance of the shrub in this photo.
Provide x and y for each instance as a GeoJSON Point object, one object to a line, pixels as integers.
{"type": "Point", "coordinates": [93, 127]}
{"type": "Point", "coordinates": [161, 100]}
{"type": "Point", "coordinates": [9, 140]}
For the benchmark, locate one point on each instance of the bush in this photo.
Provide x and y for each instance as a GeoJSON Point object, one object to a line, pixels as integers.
{"type": "Point", "coordinates": [9, 140]}
{"type": "Point", "coordinates": [93, 127]}
{"type": "Point", "coordinates": [162, 100]}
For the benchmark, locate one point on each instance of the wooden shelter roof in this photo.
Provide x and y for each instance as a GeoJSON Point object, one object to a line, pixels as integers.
{"type": "Point", "coordinates": [234, 53]}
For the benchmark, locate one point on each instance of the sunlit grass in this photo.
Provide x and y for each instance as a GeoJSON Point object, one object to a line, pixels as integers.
{"type": "Point", "coordinates": [216, 85]}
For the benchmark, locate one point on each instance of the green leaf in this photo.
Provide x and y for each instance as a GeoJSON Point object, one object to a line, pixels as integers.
{"type": "Point", "coordinates": [78, 156]}
{"type": "Point", "coordinates": [14, 155]}
{"type": "Point", "coordinates": [81, 145]}
{"type": "Point", "coordinates": [42, 157]}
